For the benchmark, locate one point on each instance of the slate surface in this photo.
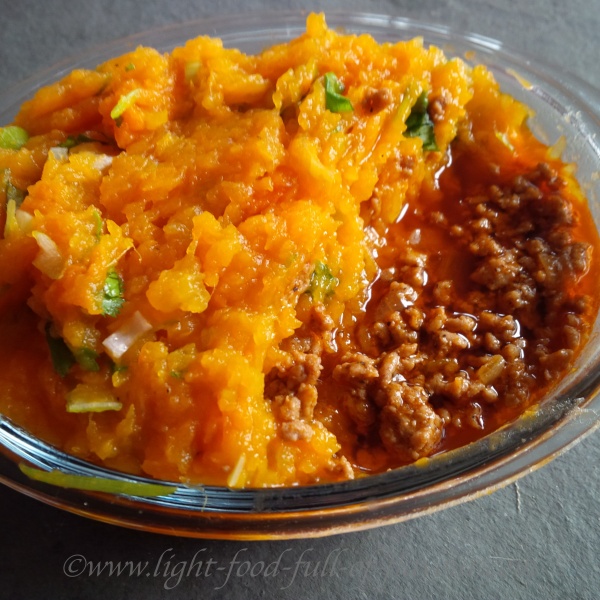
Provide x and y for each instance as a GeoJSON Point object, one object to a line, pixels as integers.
{"type": "Point", "coordinates": [539, 538]}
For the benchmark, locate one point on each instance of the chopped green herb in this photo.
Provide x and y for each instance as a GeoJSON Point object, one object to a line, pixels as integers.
{"type": "Point", "coordinates": [75, 140]}
{"type": "Point", "coordinates": [97, 484]}
{"type": "Point", "coordinates": [177, 374]}
{"type": "Point", "coordinates": [87, 359]}
{"type": "Point", "coordinates": [420, 125]}
{"type": "Point", "coordinates": [13, 137]}
{"type": "Point", "coordinates": [115, 368]}
{"type": "Point", "coordinates": [112, 294]}
{"type": "Point", "coordinates": [123, 104]}
{"type": "Point", "coordinates": [129, 67]}
{"type": "Point", "coordinates": [60, 353]}
{"type": "Point", "coordinates": [334, 101]}
{"type": "Point", "coordinates": [98, 224]}
{"type": "Point", "coordinates": [322, 282]}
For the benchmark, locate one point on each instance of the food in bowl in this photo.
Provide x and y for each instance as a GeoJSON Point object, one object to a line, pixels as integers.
{"type": "Point", "coordinates": [327, 260]}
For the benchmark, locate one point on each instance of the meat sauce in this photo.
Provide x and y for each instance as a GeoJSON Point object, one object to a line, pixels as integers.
{"type": "Point", "coordinates": [484, 297]}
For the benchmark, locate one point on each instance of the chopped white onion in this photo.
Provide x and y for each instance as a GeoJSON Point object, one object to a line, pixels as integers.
{"type": "Point", "coordinates": [415, 237]}
{"type": "Point", "coordinates": [49, 259]}
{"type": "Point", "coordinates": [492, 369]}
{"type": "Point", "coordinates": [81, 406]}
{"type": "Point", "coordinates": [91, 398]}
{"type": "Point", "coordinates": [557, 150]}
{"type": "Point", "coordinates": [123, 338]}
{"type": "Point", "coordinates": [23, 219]}
{"type": "Point", "coordinates": [16, 219]}
{"type": "Point", "coordinates": [103, 161]}
{"type": "Point", "coordinates": [234, 476]}
{"type": "Point", "coordinates": [60, 154]}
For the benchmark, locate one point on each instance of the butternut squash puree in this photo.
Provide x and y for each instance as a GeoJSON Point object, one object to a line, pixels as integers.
{"type": "Point", "coordinates": [228, 204]}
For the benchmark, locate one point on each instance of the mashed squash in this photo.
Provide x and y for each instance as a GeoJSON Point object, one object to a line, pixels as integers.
{"type": "Point", "coordinates": [208, 260]}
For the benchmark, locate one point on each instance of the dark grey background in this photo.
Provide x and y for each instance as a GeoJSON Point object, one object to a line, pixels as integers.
{"type": "Point", "coordinates": [538, 538]}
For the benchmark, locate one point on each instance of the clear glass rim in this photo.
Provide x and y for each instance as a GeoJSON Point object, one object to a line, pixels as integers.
{"type": "Point", "coordinates": [564, 418]}
{"type": "Point", "coordinates": [288, 24]}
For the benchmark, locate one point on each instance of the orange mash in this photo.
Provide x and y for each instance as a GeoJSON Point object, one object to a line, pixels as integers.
{"type": "Point", "coordinates": [229, 269]}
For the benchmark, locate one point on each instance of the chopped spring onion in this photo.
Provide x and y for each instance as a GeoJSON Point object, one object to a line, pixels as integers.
{"type": "Point", "coordinates": [115, 368]}
{"type": "Point", "coordinates": [49, 259]}
{"type": "Point", "coordinates": [11, 224]}
{"type": "Point", "coordinates": [98, 224]}
{"type": "Point", "coordinates": [73, 141]}
{"type": "Point", "coordinates": [129, 67]}
{"type": "Point", "coordinates": [14, 193]}
{"type": "Point", "coordinates": [334, 101]}
{"type": "Point", "coordinates": [87, 359]}
{"type": "Point", "coordinates": [322, 282]}
{"type": "Point", "coordinates": [11, 191]}
{"type": "Point", "coordinates": [119, 374]}
{"type": "Point", "coordinates": [17, 220]}
{"type": "Point", "coordinates": [121, 340]}
{"type": "Point", "coordinates": [89, 398]}
{"type": "Point", "coordinates": [418, 124]}
{"type": "Point", "coordinates": [13, 137]}
{"type": "Point", "coordinates": [112, 294]}
{"type": "Point", "coordinates": [60, 353]}
{"type": "Point", "coordinates": [124, 103]}
{"type": "Point", "coordinates": [97, 484]}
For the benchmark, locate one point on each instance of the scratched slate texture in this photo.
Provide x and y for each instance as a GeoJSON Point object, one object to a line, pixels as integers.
{"type": "Point", "coordinates": [539, 538]}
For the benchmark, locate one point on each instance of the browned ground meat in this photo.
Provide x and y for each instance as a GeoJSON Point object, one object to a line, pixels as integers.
{"type": "Point", "coordinates": [437, 353]}
{"type": "Point", "coordinates": [437, 106]}
{"type": "Point", "coordinates": [376, 100]}
{"type": "Point", "coordinates": [293, 392]}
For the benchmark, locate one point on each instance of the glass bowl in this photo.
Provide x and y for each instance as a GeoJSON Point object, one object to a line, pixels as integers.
{"type": "Point", "coordinates": [565, 107]}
